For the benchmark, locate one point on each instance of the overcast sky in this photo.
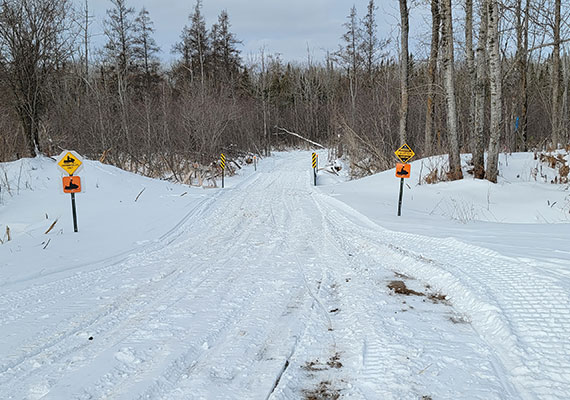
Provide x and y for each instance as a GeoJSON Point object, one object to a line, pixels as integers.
{"type": "Point", "coordinates": [286, 27]}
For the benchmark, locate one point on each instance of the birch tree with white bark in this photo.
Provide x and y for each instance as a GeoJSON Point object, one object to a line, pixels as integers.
{"type": "Point", "coordinates": [449, 87]}
{"type": "Point", "coordinates": [496, 91]}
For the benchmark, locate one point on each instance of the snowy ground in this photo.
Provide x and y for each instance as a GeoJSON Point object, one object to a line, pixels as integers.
{"type": "Point", "coordinates": [274, 289]}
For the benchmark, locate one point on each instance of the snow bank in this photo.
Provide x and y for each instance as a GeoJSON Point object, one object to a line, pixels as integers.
{"type": "Point", "coordinates": [112, 221]}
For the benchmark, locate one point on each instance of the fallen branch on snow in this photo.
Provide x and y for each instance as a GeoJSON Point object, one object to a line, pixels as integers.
{"type": "Point", "coordinates": [301, 137]}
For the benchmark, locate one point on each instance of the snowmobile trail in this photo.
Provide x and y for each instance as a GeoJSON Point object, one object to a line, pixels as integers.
{"type": "Point", "coordinates": [273, 290]}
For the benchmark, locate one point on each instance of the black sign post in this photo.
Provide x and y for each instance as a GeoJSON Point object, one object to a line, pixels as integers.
{"type": "Point", "coordinates": [74, 211]}
{"type": "Point", "coordinates": [401, 194]}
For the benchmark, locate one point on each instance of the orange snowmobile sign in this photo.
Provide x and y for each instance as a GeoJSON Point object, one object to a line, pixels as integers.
{"type": "Point", "coordinates": [71, 184]}
{"type": "Point", "coordinates": [403, 170]}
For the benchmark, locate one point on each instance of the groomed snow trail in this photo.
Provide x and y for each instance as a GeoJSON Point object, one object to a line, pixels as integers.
{"type": "Point", "coordinates": [273, 290]}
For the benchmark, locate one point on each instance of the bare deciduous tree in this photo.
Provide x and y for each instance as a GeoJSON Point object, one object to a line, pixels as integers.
{"type": "Point", "coordinates": [556, 78]}
{"type": "Point", "coordinates": [35, 39]}
{"type": "Point", "coordinates": [470, 61]}
{"type": "Point", "coordinates": [449, 85]}
{"type": "Point", "coordinates": [431, 77]}
{"type": "Point", "coordinates": [496, 90]}
{"type": "Point", "coordinates": [478, 143]}
{"type": "Point", "coordinates": [404, 74]}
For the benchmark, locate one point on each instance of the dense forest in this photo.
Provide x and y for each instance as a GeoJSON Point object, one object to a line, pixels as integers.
{"type": "Point", "coordinates": [494, 78]}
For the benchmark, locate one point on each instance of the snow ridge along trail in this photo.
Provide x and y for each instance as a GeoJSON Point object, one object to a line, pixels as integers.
{"type": "Point", "coordinates": [277, 291]}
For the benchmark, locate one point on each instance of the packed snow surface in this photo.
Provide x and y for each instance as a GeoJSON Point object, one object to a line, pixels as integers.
{"type": "Point", "coordinates": [272, 288]}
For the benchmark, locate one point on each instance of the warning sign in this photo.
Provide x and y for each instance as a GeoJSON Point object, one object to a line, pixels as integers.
{"type": "Point", "coordinates": [403, 170]}
{"type": "Point", "coordinates": [71, 184]}
{"type": "Point", "coordinates": [223, 161]}
{"type": "Point", "coordinates": [314, 159]}
{"type": "Point", "coordinates": [69, 162]}
{"type": "Point", "coordinates": [404, 153]}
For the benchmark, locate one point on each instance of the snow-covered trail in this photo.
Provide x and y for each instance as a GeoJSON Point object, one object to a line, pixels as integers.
{"type": "Point", "coordinates": [274, 290]}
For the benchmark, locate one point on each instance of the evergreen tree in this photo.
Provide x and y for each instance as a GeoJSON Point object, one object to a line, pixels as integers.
{"type": "Point", "coordinates": [349, 53]}
{"type": "Point", "coordinates": [370, 45]}
{"type": "Point", "coordinates": [119, 29]}
{"type": "Point", "coordinates": [194, 45]}
{"type": "Point", "coordinates": [145, 47]}
{"type": "Point", "coordinates": [225, 56]}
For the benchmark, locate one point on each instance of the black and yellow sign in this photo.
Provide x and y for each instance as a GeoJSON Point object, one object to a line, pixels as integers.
{"type": "Point", "coordinates": [223, 161]}
{"type": "Point", "coordinates": [69, 161]}
{"type": "Point", "coordinates": [403, 170]}
{"type": "Point", "coordinates": [314, 160]}
{"type": "Point", "coordinates": [404, 153]}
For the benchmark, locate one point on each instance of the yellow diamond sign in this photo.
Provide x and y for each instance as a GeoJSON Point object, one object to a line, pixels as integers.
{"type": "Point", "coordinates": [404, 153]}
{"type": "Point", "coordinates": [69, 162]}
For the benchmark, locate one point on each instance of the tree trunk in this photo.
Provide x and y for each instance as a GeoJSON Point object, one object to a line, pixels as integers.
{"type": "Point", "coordinates": [469, 58]}
{"type": "Point", "coordinates": [436, 23]}
{"type": "Point", "coordinates": [496, 91]}
{"type": "Point", "coordinates": [404, 78]}
{"type": "Point", "coordinates": [478, 143]}
{"type": "Point", "coordinates": [522, 59]}
{"type": "Point", "coordinates": [556, 79]}
{"type": "Point", "coordinates": [450, 99]}
{"type": "Point", "coordinates": [30, 131]}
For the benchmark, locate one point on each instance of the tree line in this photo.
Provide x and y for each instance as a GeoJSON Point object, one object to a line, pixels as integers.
{"type": "Point", "coordinates": [494, 78]}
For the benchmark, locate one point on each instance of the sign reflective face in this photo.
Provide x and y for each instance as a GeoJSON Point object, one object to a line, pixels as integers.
{"type": "Point", "coordinates": [405, 153]}
{"type": "Point", "coordinates": [403, 170]}
{"type": "Point", "coordinates": [69, 162]}
{"type": "Point", "coordinates": [71, 184]}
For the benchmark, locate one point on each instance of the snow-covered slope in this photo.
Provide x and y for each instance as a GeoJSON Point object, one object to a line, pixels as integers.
{"type": "Point", "coordinates": [114, 218]}
{"type": "Point", "coordinates": [523, 214]}
{"type": "Point", "coordinates": [272, 288]}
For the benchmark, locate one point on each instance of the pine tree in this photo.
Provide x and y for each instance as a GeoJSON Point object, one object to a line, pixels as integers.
{"type": "Point", "coordinates": [194, 45]}
{"type": "Point", "coordinates": [350, 54]}
{"type": "Point", "coordinates": [145, 47]}
{"type": "Point", "coordinates": [225, 56]}
{"type": "Point", "coordinates": [119, 29]}
{"type": "Point", "coordinates": [370, 45]}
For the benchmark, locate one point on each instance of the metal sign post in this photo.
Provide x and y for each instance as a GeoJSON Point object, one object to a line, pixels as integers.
{"type": "Point", "coordinates": [400, 199]}
{"type": "Point", "coordinates": [223, 165]}
{"type": "Point", "coordinates": [315, 160]}
{"type": "Point", "coordinates": [74, 212]}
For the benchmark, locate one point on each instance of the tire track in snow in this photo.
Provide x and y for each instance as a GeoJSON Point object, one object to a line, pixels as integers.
{"type": "Point", "coordinates": [521, 314]}
{"type": "Point", "coordinates": [107, 320]}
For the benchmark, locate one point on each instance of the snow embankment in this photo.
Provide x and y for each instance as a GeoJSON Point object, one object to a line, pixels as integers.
{"type": "Point", "coordinates": [524, 213]}
{"type": "Point", "coordinates": [118, 212]}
